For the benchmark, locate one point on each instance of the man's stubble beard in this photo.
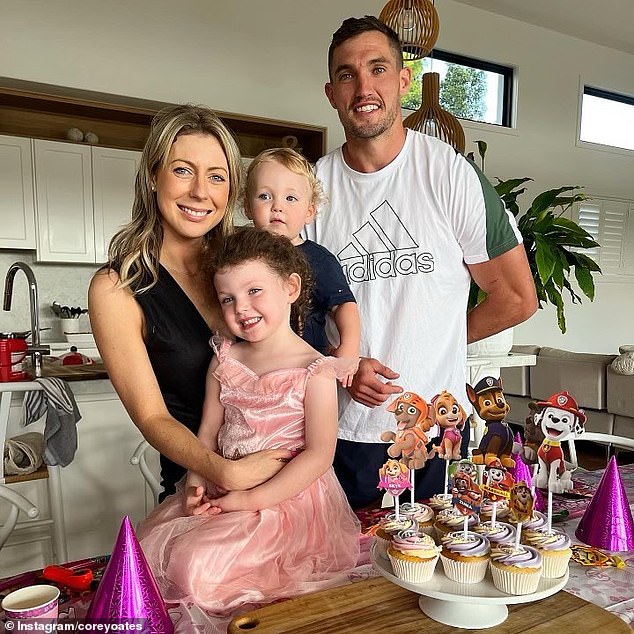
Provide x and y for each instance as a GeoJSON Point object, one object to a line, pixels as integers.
{"type": "Point", "coordinates": [372, 131]}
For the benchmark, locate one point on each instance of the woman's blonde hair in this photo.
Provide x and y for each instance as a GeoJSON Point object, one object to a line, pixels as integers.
{"type": "Point", "coordinates": [291, 160]}
{"type": "Point", "coordinates": [134, 251]}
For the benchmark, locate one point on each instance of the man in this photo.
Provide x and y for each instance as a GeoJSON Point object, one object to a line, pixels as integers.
{"type": "Point", "coordinates": [411, 222]}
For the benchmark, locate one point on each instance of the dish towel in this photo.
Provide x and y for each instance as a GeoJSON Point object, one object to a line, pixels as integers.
{"type": "Point", "coordinates": [23, 454]}
{"type": "Point", "coordinates": [57, 401]}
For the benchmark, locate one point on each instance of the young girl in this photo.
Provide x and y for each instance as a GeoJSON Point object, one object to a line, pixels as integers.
{"type": "Point", "coordinates": [295, 533]}
{"type": "Point", "coordinates": [281, 195]}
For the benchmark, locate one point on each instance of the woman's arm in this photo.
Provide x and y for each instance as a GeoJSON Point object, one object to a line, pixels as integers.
{"type": "Point", "coordinates": [320, 404]}
{"type": "Point", "coordinates": [117, 325]}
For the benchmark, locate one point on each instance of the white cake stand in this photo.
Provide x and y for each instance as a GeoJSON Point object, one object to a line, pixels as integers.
{"type": "Point", "coordinates": [485, 605]}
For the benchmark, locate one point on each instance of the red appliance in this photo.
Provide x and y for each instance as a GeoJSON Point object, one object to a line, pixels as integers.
{"type": "Point", "coordinates": [13, 350]}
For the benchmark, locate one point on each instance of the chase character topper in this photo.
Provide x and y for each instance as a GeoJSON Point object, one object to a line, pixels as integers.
{"type": "Point", "coordinates": [412, 423]}
{"type": "Point", "coordinates": [394, 477]}
{"type": "Point", "coordinates": [559, 419]}
{"type": "Point", "coordinates": [488, 400]}
{"type": "Point", "coordinates": [450, 417]}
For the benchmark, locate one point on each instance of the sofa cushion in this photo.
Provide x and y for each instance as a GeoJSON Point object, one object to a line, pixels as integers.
{"type": "Point", "coordinates": [581, 374]}
{"type": "Point", "coordinates": [516, 381]}
{"type": "Point", "coordinates": [624, 426]}
{"type": "Point", "coordinates": [620, 393]}
{"type": "Point", "coordinates": [599, 422]}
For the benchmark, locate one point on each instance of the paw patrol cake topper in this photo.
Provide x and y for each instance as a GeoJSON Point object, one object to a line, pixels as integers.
{"type": "Point", "coordinates": [409, 442]}
{"type": "Point", "coordinates": [488, 401]}
{"type": "Point", "coordinates": [467, 495]}
{"type": "Point", "coordinates": [450, 416]}
{"type": "Point", "coordinates": [497, 482]}
{"type": "Point", "coordinates": [560, 418]}
{"type": "Point", "coordinates": [394, 477]}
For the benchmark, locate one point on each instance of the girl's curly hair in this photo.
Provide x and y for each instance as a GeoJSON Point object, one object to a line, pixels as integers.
{"type": "Point", "coordinates": [277, 253]}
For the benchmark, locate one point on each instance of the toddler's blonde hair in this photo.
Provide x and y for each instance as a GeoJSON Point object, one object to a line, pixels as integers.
{"type": "Point", "coordinates": [291, 160]}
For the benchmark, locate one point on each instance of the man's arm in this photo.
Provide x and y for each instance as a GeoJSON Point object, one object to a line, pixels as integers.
{"type": "Point", "coordinates": [511, 297]}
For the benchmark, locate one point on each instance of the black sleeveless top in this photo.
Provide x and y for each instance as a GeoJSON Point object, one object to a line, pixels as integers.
{"type": "Point", "coordinates": [177, 342]}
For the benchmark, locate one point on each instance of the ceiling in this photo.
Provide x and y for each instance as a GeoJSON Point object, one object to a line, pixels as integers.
{"type": "Point", "coordinates": [606, 22]}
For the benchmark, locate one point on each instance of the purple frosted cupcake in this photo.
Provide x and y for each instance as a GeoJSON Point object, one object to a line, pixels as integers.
{"type": "Point", "coordinates": [501, 533]}
{"type": "Point", "coordinates": [413, 556]}
{"type": "Point", "coordinates": [486, 510]}
{"type": "Point", "coordinates": [449, 520]}
{"type": "Point", "coordinates": [465, 560]}
{"type": "Point", "coordinates": [554, 547]}
{"type": "Point", "coordinates": [389, 526]}
{"type": "Point", "coordinates": [516, 571]}
{"type": "Point", "coordinates": [440, 502]}
{"type": "Point", "coordinates": [421, 514]}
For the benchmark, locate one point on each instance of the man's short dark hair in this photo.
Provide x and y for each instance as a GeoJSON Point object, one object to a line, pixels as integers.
{"type": "Point", "coordinates": [351, 27]}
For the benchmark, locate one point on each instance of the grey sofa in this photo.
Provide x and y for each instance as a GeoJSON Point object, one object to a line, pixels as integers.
{"type": "Point", "coordinates": [606, 396]}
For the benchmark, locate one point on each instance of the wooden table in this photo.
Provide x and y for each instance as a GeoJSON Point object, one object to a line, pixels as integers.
{"type": "Point", "coordinates": [375, 606]}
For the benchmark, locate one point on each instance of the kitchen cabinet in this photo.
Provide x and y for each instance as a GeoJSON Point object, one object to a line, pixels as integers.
{"type": "Point", "coordinates": [84, 194]}
{"type": "Point", "coordinates": [17, 210]}
{"type": "Point", "coordinates": [99, 487]}
{"type": "Point", "coordinates": [113, 175]}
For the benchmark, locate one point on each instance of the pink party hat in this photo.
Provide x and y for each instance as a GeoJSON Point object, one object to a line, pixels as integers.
{"type": "Point", "coordinates": [539, 503]}
{"type": "Point", "coordinates": [607, 522]}
{"type": "Point", "coordinates": [521, 471]}
{"type": "Point", "coordinates": [518, 440]}
{"type": "Point", "coordinates": [128, 590]}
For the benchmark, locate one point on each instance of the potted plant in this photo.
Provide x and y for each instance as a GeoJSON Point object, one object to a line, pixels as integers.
{"type": "Point", "coordinates": [552, 242]}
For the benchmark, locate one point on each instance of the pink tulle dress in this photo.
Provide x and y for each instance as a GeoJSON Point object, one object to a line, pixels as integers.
{"type": "Point", "coordinates": [304, 544]}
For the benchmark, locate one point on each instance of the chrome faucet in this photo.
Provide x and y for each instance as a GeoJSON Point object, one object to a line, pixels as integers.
{"type": "Point", "coordinates": [36, 350]}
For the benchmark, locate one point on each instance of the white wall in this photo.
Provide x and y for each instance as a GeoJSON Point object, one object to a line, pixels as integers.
{"type": "Point", "coordinates": [269, 59]}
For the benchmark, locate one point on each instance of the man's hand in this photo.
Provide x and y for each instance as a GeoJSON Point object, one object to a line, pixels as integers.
{"type": "Point", "coordinates": [368, 389]}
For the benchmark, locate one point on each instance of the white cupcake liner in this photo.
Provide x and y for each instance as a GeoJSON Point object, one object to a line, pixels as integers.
{"type": "Point", "coordinates": [513, 582]}
{"type": "Point", "coordinates": [555, 566]}
{"type": "Point", "coordinates": [465, 571]}
{"type": "Point", "coordinates": [413, 571]}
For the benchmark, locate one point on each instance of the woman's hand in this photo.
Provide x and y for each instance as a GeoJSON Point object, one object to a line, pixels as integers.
{"type": "Point", "coordinates": [254, 469]}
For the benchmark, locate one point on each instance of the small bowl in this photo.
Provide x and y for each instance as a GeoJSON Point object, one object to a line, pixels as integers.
{"type": "Point", "coordinates": [80, 339]}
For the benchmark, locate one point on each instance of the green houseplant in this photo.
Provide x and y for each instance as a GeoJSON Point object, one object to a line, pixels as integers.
{"type": "Point", "coordinates": [552, 242]}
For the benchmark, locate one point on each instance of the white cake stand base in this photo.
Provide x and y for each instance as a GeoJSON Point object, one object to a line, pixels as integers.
{"type": "Point", "coordinates": [472, 606]}
{"type": "Point", "coordinates": [476, 617]}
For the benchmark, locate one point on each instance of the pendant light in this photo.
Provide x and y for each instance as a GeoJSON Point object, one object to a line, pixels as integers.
{"type": "Point", "coordinates": [431, 119]}
{"type": "Point", "coordinates": [416, 24]}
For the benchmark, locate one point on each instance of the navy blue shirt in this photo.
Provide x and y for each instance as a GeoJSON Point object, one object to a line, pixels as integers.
{"type": "Point", "coordinates": [330, 289]}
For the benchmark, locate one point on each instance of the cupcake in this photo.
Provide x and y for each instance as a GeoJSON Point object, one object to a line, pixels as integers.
{"type": "Point", "coordinates": [441, 501]}
{"type": "Point", "coordinates": [538, 520]}
{"type": "Point", "coordinates": [389, 526]}
{"type": "Point", "coordinates": [554, 547]}
{"type": "Point", "coordinates": [450, 520]}
{"type": "Point", "coordinates": [501, 512]}
{"type": "Point", "coordinates": [516, 571]}
{"type": "Point", "coordinates": [465, 559]}
{"type": "Point", "coordinates": [421, 514]}
{"type": "Point", "coordinates": [413, 556]}
{"type": "Point", "coordinates": [501, 533]}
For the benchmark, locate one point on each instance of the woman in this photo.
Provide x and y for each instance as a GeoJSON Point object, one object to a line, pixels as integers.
{"type": "Point", "coordinates": [152, 310]}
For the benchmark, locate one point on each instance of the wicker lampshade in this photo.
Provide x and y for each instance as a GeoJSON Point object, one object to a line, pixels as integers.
{"type": "Point", "coordinates": [416, 23]}
{"type": "Point", "coordinates": [431, 119]}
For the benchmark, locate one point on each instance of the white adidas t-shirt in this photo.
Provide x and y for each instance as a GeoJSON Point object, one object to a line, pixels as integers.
{"type": "Point", "coordinates": [402, 236]}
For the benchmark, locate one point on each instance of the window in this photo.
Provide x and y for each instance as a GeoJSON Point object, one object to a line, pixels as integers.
{"type": "Point", "coordinates": [469, 88]}
{"type": "Point", "coordinates": [611, 223]}
{"type": "Point", "coordinates": [607, 118]}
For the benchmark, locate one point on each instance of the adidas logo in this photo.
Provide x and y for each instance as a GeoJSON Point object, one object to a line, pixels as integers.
{"type": "Point", "coordinates": [382, 248]}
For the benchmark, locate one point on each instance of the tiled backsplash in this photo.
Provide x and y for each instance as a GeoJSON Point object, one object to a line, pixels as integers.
{"type": "Point", "coordinates": [65, 283]}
